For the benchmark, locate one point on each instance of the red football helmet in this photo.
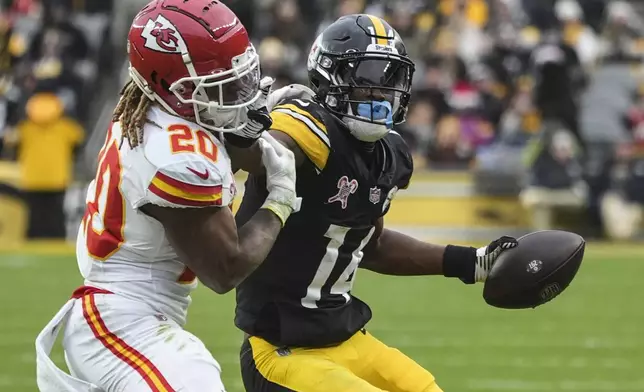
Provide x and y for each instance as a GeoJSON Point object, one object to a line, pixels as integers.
{"type": "Point", "coordinates": [195, 59]}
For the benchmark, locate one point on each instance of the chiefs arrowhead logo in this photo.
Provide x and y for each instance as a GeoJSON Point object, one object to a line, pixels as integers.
{"type": "Point", "coordinates": [161, 35]}
{"type": "Point", "coordinates": [166, 37]}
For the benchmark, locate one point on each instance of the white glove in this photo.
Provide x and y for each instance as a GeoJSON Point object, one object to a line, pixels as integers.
{"type": "Point", "coordinates": [257, 119]}
{"type": "Point", "coordinates": [279, 162]}
{"type": "Point", "coordinates": [265, 88]}
{"type": "Point", "coordinates": [293, 91]}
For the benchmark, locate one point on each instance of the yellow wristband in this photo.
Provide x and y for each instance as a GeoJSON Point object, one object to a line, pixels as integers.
{"type": "Point", "coordinates": [282, 211]}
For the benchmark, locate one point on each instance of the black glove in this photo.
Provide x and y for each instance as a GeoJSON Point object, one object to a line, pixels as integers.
{"type": "Point", "coordinates": [259, 120]}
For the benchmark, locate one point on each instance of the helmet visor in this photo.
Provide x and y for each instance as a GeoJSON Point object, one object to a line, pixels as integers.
{"type": "Point", "coordinates": [374, 87]}
{"type": "Point", "coordinates": [221, 99]}
{"type": "Point", "coordinates": [233, 92]}
{"type": "Point", "coordinates": [376, 72]}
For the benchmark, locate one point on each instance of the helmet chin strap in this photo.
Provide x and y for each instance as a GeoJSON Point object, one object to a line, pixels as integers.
{"type": "Point", "coordinates": [363, 128]}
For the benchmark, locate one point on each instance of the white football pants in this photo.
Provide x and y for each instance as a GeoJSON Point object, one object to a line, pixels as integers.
{"type": "Point", "coordinates": [114, 344]}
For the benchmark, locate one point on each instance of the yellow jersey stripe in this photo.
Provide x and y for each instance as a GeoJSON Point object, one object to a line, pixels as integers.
{"type": "Point", "coordinates": [303, 113]}
{"type": "Point", "coordinates": [176, 192]}
{"type": "Point", "coordinates": [314, 148]}
{"type": "Point", "coordinates": [318, 132]}
{"type": "Point", "coordinates": [379, 28]}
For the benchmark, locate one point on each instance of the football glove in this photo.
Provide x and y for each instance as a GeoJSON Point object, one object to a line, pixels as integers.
{"type": "Point", "coordinates": [258, 118]}
{"type": "Point", "coordinates": [487, 255]}
{"type": "Point", "coordinates": [279, 162]}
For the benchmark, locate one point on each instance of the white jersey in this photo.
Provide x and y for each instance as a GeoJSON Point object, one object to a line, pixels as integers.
{"type": "Point", "coordinates": [122, 250]}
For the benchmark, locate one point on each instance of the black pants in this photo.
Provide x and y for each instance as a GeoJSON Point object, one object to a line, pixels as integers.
{"type": "Point", "coordinates": [46, 214]}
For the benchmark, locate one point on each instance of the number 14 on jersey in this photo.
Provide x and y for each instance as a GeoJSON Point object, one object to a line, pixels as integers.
{"type": "Point", "coordinates": [348, 259]}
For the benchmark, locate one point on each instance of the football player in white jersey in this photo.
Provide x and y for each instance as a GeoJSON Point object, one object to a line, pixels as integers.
{"type": "Point", "coordinates": [158, 213]}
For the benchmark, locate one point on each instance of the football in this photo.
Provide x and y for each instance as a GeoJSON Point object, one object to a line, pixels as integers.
{"type": "Point", "coordinates": [536, 271]}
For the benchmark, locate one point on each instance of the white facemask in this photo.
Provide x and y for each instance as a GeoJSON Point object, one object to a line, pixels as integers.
{"type": "Point", "coordinates": [223, 118]}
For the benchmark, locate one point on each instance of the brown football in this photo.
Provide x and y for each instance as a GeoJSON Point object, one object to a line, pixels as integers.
{"type": "Point", "coordinates": [536, 271]}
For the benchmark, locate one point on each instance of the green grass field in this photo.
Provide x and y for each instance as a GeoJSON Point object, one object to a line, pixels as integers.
{"type": "Point", "coordinates": [589, 339]}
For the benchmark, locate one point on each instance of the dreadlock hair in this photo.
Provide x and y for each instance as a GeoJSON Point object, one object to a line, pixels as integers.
{"type": "Point", "coordinates": [131, 112]}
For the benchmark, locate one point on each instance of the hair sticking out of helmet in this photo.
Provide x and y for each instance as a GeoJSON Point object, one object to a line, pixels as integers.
{"type": "Point", "coordinates": [131, 112]}
{"type": "Point", "coordinates": [196, 61]}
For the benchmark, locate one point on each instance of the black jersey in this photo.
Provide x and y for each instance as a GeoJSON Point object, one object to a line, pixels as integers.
{"type": "Point", "coordinates": [301, 294]}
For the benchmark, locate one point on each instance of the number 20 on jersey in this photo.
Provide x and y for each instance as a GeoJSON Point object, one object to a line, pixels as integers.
{"type": "Point", "coordinates": [183, 139]}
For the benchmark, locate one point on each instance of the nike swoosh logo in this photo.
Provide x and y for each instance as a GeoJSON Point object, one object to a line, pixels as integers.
{"type": "Point", "coordinates": [203, 176]}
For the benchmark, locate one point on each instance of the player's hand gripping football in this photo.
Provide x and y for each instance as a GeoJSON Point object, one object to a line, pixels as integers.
{"type": "Point", "coordinates": [279, 162]}
{"type": "Point", "coordinates": [487, 255]}
{"type": "Point", "coordinates": [258, 118]}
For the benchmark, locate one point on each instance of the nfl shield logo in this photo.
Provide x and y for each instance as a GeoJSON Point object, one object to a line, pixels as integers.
{"type": "Point", "coordinates": [374, 195]}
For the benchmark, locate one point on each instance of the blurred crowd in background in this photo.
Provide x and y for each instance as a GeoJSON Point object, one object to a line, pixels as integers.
{"type": "Point", "coordinates": [541, 99]}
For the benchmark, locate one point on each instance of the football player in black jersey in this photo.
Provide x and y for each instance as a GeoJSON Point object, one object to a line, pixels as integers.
{"type": "Point", "coordinates": [305, 331]}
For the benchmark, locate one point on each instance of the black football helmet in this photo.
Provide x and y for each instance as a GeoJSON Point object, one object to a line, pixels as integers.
{"type": "Point", "coordinates": [360, 71]}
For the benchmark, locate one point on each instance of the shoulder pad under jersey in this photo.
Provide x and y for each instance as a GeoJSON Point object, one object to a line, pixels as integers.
{"type": "Point", "coordinates": [292, 91]}
{"type": "Point", "coordinates": [191, 166]}
{"type": "Point", "coordinates": [301, 119]}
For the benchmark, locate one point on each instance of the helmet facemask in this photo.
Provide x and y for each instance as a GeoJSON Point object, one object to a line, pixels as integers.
{"type": "Point", "coordinates": [221, 99]}
{"type": "Point", "coordinates": [370, 92]}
